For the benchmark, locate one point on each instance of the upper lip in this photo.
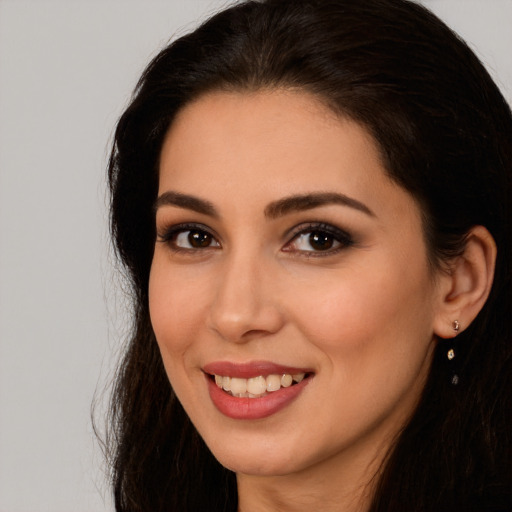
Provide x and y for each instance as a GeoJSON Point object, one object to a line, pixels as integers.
{"type": "Point", "coordinates": [251, 369]}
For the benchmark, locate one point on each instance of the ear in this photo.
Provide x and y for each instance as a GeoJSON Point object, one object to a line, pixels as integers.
{"type": "Point", "coordinates": [466, 286]}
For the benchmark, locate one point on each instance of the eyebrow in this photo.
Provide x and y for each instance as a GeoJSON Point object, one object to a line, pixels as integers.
{"type": "Point", "coordinates": [186, 201]}
{"type": "Point", "coordinates": [303, 202]}
{"type": "Point", "coordinates": [279, 208]}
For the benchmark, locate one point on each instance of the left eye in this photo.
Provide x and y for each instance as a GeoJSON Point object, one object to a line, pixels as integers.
{"type": "Point", "coordinates": [318, 240]}
{"type": "Point", "coordinates": [315, 241]}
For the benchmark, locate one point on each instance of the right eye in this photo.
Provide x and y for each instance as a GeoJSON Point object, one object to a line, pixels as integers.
{"type": "Point", "coordinates": [188, 238]}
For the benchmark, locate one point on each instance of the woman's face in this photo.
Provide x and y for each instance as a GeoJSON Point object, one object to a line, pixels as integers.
{"type": "Point", "coordinates": [284, 250]}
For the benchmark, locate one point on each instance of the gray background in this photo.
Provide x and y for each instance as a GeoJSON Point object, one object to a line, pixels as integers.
{"type": "Point", "coordinates": [67, 68]}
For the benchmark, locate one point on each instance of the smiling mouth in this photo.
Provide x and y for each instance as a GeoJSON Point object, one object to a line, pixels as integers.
{"type": "Point", "coordinates": [257, 387]}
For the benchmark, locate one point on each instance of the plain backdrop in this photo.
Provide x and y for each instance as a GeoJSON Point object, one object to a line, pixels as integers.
{"type": "Point", "coordinates": [67, 68]}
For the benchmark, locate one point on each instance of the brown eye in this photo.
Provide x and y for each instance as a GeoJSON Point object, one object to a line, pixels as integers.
{"type": "Point", "coordinates": [321, 241]}
{"type": "Point", "coordinates": [190, 239]}
{"type": "Point", "coordinates": [199, 239]}
{"type": "Point", "coordinates": [315, 241]}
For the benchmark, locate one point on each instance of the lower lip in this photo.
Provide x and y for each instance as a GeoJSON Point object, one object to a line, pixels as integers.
{"type": "Point", "coordinates": [254, 408]}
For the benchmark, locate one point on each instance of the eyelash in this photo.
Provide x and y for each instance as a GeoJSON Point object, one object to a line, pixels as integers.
{"type": "Point", "coordinates": [169, 237]}
{"type": "Point", "coordinates": [342, 238]}
{"type": "Point", "coordinates": [336, 235]}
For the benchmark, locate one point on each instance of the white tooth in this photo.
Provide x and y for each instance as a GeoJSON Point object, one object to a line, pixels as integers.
{"type": "Point", "coordinates": [298, 377]}
{"type": "Point", "coordinates": [257, 385]}
{"type": "Point", "coordinates": [273, 382]}
{"type": "Point", "coordinates": [286, 380]}
{"type": "Point", "coordinates": [218, 380]}
{"type": "Point", "coordinates": [238, 386]}
{"type": "Point", "coordinates": [226, 383]}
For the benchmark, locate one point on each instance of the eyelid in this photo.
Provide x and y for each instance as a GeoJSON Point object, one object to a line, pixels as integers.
{"type": "Point", "coordinates": [340, 235]}
{"type": "Point", "coordinates": [166, 234]}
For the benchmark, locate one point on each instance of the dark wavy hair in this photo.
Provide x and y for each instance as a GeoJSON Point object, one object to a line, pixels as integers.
{"type": "Point", "coordinates": [445, 135]}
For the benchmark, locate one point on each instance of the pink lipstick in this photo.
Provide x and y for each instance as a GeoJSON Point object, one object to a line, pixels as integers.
{"type": "Point", "coordinates": [254, 390]}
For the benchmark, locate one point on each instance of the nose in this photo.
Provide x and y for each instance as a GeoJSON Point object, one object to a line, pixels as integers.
{"type": "Point", "coordinates": [244, 305]}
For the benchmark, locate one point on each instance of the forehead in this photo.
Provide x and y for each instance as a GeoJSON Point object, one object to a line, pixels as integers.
{"type": "Point", "coordinates": [271, 143]}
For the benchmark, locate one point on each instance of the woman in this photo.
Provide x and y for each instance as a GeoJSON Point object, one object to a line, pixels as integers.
{"type": "Point", "coordinates": [312, 201]}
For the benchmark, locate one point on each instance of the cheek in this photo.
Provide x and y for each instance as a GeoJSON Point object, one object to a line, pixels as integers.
{"type": "Point", "coordinates": [366, 313]}
{"type": "Point", "coordinates": [175, 307]}
{"type": "Point", "coordinates": [374, 337]}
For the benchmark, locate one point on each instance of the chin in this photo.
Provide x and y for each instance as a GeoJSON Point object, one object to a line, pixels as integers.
{"type": "Point", "coordinates": [256, 460]}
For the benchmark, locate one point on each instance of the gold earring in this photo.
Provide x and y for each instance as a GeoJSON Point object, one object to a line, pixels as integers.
{"type": "Point", "coordinates": [456, 326]}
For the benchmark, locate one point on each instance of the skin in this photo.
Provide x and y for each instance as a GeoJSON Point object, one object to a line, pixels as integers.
{"type": "Point", "coordinates": [361, 315]}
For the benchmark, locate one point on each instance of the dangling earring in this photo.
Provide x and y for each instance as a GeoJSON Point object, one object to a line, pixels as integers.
{"type": "Point", "coordinates": [451, 353]}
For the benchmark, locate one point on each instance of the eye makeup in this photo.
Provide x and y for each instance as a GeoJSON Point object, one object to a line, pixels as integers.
{"type": "Point", "coordinates": [310, 239]}
{"type": "Point", "coordinates": [188, 237]}
{"type": "Point", "coordinates": [317, 239]}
